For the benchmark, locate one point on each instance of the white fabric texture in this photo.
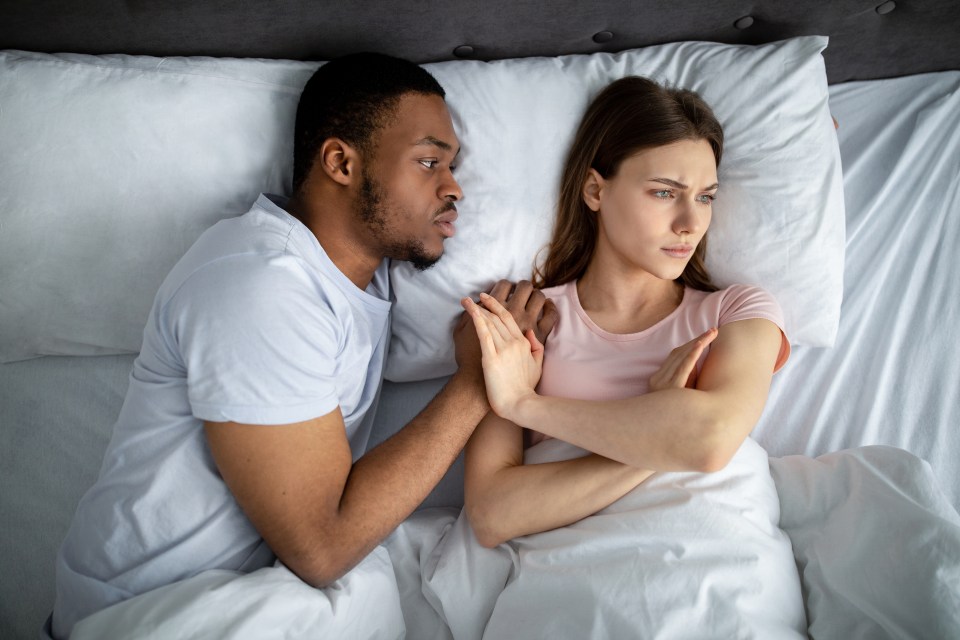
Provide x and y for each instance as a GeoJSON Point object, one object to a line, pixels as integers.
{"type": "Point", "coordinates": [876, 541]}
{"type": "Point", "coordinates": [893, 376]}
{"type": "Point", "coordinates": [121, 163]}
{"type": "Point", "coordinates": [844, 512]}
{"type": "Point", "coordinates": [160, 511]}
{"type": "Point", "coordinates": [269, 603]}
{"type": "Point", "coordinates": [778, 219]}
{"type": "Point", "coordinates": [682, 555]}
{"type": "Point", "coordinates": [146, 153]}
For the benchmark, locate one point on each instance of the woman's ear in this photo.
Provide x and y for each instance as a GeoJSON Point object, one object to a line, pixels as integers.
{"type": "Point", "coordinates": [338, 160]}
{"type": "Point", "coordinates": [592, 188]}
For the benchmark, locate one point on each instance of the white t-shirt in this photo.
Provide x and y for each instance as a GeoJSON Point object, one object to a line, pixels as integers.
{"type": "Point", "coordinates": [254, 325]}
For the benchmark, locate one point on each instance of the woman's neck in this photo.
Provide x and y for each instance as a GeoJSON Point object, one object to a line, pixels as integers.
{"type": "Point", "coordinates": [626, 302]}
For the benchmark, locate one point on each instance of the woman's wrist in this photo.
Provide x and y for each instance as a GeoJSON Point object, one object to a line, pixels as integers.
{"type": "Point", "coordinates": [522, 411]}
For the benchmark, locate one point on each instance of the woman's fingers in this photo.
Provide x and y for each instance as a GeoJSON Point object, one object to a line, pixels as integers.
{"type": "Point", "coordinates": [503, 314]}
{"type": "Point", "coordinates": [487, 342]}
{"type": "Point", "coordinates": [493, 326]}
{"type": "Point", "coordinates": [679, 369]}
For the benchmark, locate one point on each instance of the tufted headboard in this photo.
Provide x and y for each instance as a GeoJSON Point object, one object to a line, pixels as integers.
{"type": "Point", "coordinates": [868, 38]}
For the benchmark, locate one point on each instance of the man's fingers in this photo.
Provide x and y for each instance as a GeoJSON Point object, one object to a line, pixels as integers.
{"type": "Point", "coordinates": [517, 301]}
{"type": "Point", "coordinates": [501, 290]}
{"type": "Point", "coordinates": [548, 320]}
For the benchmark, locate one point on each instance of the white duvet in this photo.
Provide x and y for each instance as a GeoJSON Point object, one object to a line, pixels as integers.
{"type": "Point", "coordinates": [682, 556]}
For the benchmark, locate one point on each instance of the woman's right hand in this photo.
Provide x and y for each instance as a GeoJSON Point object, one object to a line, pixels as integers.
{"type": "Point", "coordinates": [679, 370]}
{"type": "Point", "coordinates": [512, 360]}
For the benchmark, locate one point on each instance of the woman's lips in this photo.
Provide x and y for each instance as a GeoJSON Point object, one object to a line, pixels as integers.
{"type": "Point", "coordinates": [679, 251]}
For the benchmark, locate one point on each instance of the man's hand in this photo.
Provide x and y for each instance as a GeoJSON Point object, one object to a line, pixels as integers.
{"type": "Point", "coordinates": [529, 308]}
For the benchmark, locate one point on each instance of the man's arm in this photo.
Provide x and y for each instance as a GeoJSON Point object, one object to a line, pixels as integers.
{"type": "Point", "coordinates": [320, 514]}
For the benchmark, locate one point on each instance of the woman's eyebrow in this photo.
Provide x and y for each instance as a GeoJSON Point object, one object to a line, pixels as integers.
{"type": "Point", "coordinates": [680, 185]}
{"type": "Point", "coordinates": [669, 183]}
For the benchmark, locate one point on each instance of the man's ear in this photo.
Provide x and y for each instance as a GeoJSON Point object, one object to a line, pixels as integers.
{"type": "Point", "coordinates": [339, 160]}
{"type": "Point", "coordinates": [592, 187]}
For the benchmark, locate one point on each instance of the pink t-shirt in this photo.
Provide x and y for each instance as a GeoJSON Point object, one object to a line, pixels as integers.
{"type": "Point", "coordinates": [583, 361]}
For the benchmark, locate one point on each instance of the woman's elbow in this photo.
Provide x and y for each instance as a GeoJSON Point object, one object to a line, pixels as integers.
{"type": "Point", "coordinates": [483, 524]}
{"type": "Point", "coordinates": [719, 442]}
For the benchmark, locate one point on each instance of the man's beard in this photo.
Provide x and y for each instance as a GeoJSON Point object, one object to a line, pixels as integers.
{"type": "Point", "coordinates": [373, 214]}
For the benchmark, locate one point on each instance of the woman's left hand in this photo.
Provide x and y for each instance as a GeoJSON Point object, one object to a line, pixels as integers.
{"type": "Point", "coordinates": [512, 361]}
{"type": "Point", "coordinates": [679, 370]}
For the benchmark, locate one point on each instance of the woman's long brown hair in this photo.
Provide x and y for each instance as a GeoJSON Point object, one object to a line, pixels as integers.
{"type": "Point", "coordinates": [630, 115]}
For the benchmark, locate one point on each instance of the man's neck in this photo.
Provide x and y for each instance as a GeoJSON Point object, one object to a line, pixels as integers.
{"type": "Point", "coordinates": [334, 227]}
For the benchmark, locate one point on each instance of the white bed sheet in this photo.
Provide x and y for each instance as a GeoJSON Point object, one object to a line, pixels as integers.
{"type": "Point", "coordinates": [893, 377]}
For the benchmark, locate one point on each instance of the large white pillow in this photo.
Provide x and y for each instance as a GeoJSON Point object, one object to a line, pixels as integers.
{"type": "Point", "coordinates": [113, 165]}
{"type": "Point", "coordinates": [778, 221]}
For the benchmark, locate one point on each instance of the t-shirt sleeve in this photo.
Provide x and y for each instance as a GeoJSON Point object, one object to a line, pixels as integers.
{"type": "Point", "coordinates": [746, 302]}
{"type": "Point", "coordinates": [258, 339]}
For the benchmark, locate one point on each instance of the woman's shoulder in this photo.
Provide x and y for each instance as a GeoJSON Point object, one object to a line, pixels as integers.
{"type": "Point", "coordinates": [558, 291]}
{"type": "Point", "coordinates": [740, 302]}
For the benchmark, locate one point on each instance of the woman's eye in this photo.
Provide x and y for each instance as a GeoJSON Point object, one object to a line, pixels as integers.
{"type": "Point", "coordinates": [706, 198]}
{"type": "Point", "coordinates": [665, 193]}
{"type": "Point", "coordinates": [429, 164]}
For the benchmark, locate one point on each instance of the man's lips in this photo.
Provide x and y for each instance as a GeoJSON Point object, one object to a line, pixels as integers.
{"type": "Point", "coordinates": [445, 221]}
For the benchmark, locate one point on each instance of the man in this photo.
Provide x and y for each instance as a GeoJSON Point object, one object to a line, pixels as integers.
{"type": "Point", "coordinates": [249, 406]}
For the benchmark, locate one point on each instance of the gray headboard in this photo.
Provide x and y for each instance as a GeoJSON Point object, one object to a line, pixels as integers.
{"type": "Point", "coordinates": [868, 38]}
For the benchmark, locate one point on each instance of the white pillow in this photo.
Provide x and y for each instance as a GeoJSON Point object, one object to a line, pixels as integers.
{"type": "Point", "coordinates": [111, 168]}
{"type": "Point", "coordinates": [120, 162]}
{"type": "Point", "coordinates": [876, 541]}
{"type": "Point", "coordinates": [778, 221]}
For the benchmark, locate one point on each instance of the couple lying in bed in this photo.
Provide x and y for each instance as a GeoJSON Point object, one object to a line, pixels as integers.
{"type": "Point", "coordinates": [243, 434]}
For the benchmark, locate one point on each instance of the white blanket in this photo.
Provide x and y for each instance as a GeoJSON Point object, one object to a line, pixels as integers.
{"type": "Point", "coordinates": [684, 555]}
{"type": "Point", "coordinates": [877, 543]}
{"type": "Point", "coordinates": [268, 603]}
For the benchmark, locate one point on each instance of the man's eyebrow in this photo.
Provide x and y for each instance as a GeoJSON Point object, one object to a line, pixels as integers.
{"type": "Point", "coordinates": [680, 185]}
{"type": "Point", "coordinates": [435, 142]}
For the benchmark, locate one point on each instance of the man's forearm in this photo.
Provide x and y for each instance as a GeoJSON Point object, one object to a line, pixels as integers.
{"type": "Point", "coordinates": [391, 480]}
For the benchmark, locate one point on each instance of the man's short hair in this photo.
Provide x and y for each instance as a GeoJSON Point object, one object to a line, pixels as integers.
{"type": "Point", "coordinates": [351, 98]}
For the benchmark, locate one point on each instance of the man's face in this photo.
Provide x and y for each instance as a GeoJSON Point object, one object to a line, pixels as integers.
{"type": "Point", "coordinates": [407, 190]}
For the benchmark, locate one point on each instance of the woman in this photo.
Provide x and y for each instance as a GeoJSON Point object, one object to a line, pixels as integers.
{"type": "Point", "coordinates": [649, 368]}
{"type": "Point", "coordinates": [626, 269]}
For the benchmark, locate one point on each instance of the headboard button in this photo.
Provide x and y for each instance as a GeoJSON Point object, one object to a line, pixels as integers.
{"type": "Point", "coordinates": [603, 36]}
{"type": "Point", "coordinates": [886, 7]}
{"type": "Point", "coordinates": [744, 23]}
{"type": "Point", "coordinates": [463, 51]}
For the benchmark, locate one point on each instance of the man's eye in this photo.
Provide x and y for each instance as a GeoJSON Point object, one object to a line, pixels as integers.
{"type": "Point", "coordinates": [429, 164]}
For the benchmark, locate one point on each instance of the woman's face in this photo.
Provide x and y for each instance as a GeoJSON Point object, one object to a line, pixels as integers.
{"type": "Point", "coordinates": [655, 210]}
